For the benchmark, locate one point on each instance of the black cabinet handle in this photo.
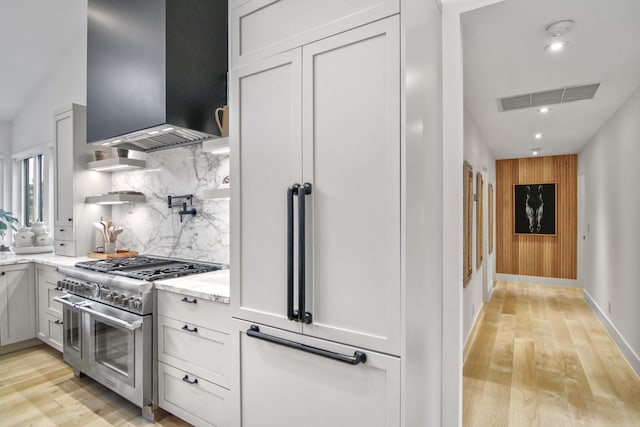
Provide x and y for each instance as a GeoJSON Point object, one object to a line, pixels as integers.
{"type": "Point", "coordinates": [3, 273]}
{"type": "Point", "coordinates": [358, 356]}
{"type": "Point", "coordinates": [61, 244]}
{"type": "Point", "coordinates": [186, 328]}
{"type": "Point", "coordinates": [58, 322]}
{"type": "Point", "coordinates": [187, 300]}
{"type": "Point", "coordinates": [62, 230]}
{"type": "Point", "coordinates": [70, 219]}
{"type": "Point", "coordinates": [292, 191]}
{"type": "Point", "coordinates": [186, 380]}
{"type": "Point", "coordinates": [304, 190]}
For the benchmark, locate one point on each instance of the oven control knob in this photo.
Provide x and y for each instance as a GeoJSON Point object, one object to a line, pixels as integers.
{"type": "Point", "coordinates": [117, 299]}
{"type": "Point", "coordinates": [137, 303]}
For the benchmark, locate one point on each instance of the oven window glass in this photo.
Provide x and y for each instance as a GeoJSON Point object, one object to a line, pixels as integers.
{"type": "Point", "coordinates": [112, 347]}
{"type": "Point", "coordinates": [73, 330]}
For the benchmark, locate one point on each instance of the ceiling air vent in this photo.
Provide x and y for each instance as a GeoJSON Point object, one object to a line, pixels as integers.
{"type": "Point", "coordinates": [548, 97]}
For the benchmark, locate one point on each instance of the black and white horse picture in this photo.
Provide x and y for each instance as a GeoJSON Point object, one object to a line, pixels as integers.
{"type": "Point", "coordinates": [535, 209]}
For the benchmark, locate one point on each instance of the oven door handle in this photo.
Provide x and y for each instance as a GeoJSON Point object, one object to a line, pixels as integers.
{"type": "Point", "coordinates": [85, 306]}
{"type": "Point", "coordinates": [63, 300]}
{"type": "Point", "coordinates": [114, 320]}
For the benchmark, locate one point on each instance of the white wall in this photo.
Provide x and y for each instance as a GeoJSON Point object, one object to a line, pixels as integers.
{"type": "Point", "coordinates": [422, 375]}
{"type": "Point", "coordinates": [32, 127]}
{"type": "Point", "coordinates": [609, 269]}
{"type": "Point", "coordinates": [477, 153]}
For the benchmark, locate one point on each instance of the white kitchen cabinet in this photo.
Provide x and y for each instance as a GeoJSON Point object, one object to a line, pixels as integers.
{"type": "Point", "coordinates": [17, 303]}
{"type": "Point", "coordinates": [327, 114]}
{"type": "Point", "coordinates": [288, 387]}
{"type": "Point", "coordinates": [73, 230]}
{"type": "Point", "coordinates": [194, 358]}
{"type": "Point", "coordinates": [260, 28]}
{"type": "Point", "coordinates": [49, 311]}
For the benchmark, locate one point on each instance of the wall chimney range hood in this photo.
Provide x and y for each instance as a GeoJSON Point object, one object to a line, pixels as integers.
{"type": "Point", "coordinates": [156, 72]}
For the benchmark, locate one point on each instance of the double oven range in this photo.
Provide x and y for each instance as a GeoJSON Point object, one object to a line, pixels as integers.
{"type": "Point", "coordinates": [108, 320]}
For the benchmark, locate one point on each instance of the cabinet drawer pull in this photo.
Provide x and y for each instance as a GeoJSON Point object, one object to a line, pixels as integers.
{"type": "Point", "coordinates": [187, 300]}
{"type": "Point", "coordinates": [186, 328]}
{"type": "Point", "coordinates": [357, 358]}
{"type": "Point", "coordinates": [58, 322]}
{"type": "Point", "coordinates": [3, 273]}
{"type": "Point", "coordinates": [186, 380]}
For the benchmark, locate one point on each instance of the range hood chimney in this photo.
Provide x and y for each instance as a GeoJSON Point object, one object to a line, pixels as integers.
{"type": "Point", "coordinates": [156, 72]}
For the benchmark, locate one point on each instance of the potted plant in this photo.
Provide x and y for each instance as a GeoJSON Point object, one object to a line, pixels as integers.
{"type": "Point", "coordinates": [7, 220]}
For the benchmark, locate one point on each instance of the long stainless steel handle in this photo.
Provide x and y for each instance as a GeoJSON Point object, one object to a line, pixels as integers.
{"type": "Point", "coordinates": [114, 320]}
{"type": "Point", "coordinates": [63, 300]}
{"type": "Point", "coordinates": [84, 306]}
{"type": "Point", "coordinates": [357, 358]}
{"type": "Point", "coordinates": [291, 191]}
{"type": "Point", "coordinates": [304, 315]}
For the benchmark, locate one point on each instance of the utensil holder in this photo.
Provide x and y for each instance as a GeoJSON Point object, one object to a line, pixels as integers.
{"type": "Point", "coordinates": [109, 247]}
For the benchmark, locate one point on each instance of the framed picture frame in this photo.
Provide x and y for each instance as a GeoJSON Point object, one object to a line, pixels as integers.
{"type": "Point", "coordinates": [534, 209]}
{"type": "Point", "coordinates": [467, 264]}
{"type": "Point", "coordinates": [490, 208]}
{"type": "Point", "coordinates": [479, 220]}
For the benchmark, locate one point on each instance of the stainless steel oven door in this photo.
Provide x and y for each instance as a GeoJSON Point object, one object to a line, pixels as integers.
{"type": "Point", "coordinates": [115, 348]}
{"type": "Point", "coordinates": [72, 341]}
{"type": "Point", "coordinates": [119, 353]}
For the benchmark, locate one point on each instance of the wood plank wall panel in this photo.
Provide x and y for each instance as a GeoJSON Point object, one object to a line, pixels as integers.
{"type": "Point", "coordinates": [546, 256]}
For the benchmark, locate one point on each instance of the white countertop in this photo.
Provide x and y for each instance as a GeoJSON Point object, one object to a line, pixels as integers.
{"type": "Point", "coordinates": [47, 259]}
{"type": "Point", "coordinates": [213, 286]}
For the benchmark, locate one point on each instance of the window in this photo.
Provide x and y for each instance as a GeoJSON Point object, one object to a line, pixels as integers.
{"type": "Point", "coordinates": [33, 180]}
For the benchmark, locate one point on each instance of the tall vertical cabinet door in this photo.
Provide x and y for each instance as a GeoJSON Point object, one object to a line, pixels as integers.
{"type": "Point", "coordinates": [266, 159]}
{"type": "Point", "coordinates": [351, 148]}
{"type": "Point", "coordinates": [64, 169]}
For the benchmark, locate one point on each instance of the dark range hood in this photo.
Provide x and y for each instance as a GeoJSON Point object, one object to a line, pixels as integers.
{"type": "Point", "coordinates": [156, 71]}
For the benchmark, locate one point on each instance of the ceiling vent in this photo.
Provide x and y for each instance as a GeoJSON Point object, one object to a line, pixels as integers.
{"type": "Point", "coordinates": [548, 97]}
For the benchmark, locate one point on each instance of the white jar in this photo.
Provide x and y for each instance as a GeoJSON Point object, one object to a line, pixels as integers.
{"type": "Point", "coordinates": [23, 238]}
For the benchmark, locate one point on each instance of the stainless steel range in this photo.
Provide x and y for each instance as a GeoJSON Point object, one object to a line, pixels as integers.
{"type": "Point", "coordinates": [108, 320]}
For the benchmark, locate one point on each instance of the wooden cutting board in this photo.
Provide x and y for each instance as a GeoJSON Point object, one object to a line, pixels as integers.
{"type": "Point", "coordinates": [102, 255]}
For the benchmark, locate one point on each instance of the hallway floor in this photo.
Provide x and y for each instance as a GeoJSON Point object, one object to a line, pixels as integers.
{"type": "Point", "coordinates": [541, 358]}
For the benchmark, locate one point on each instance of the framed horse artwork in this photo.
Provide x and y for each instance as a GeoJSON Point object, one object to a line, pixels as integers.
{"type": "Point", "coordinates": [534, 209]}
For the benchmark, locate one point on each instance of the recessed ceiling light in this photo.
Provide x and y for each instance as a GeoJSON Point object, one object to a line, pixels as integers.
{"type": "Point", "coordinates": [537, 135]}
{"type": "Point", "coordinates": [544, 110]}
{"type": "Point", "coordinates": [536, 151]}
{"type": "Point", "coordinates": [556, 46]}
{"type": "Point", "coordinates": [560, 28]}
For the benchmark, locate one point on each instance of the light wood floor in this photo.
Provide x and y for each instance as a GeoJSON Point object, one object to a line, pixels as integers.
{"type": "Point", "coordinates": [38, 389]}
{"type": "Point", "coordinates": [541, 358]}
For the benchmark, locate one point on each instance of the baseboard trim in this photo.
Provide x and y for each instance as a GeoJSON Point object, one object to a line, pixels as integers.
{"type": "Point", "coordinates": [617, 337]}
{"type": "Point", "coordinates": [537, 280]}
{"type": "Point", "coordinates": [472, 334]}
{"type": "Point", "coordinates": [19, 346]}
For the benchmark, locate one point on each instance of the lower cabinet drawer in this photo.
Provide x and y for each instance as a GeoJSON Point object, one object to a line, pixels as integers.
{"type": "Point", "coordinates": [64, 248]}
{"type": "Point", "coordinates": [202, 351]}
{"type": "Point", "coordinates": [64, 233]}
{"type": "Point", "coordinates": [192, 398]}
{"type": "Point", "coordinates": [55, 332]}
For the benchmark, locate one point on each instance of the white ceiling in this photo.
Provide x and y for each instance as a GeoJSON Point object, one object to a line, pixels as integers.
{"type": "Point", "coordinates": [33, 34]}
{"type": "Point", "coordinates": [504, 56]}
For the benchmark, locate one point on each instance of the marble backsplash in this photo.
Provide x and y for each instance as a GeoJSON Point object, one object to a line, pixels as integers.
{"type": "Point", "coordinates": [153, 228]}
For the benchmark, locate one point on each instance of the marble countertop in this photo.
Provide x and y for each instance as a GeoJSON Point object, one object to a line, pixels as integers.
{"type": "Point", "coordinates": [213, 286]}
{"type": "Point", "coordinates": [47, 259]}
